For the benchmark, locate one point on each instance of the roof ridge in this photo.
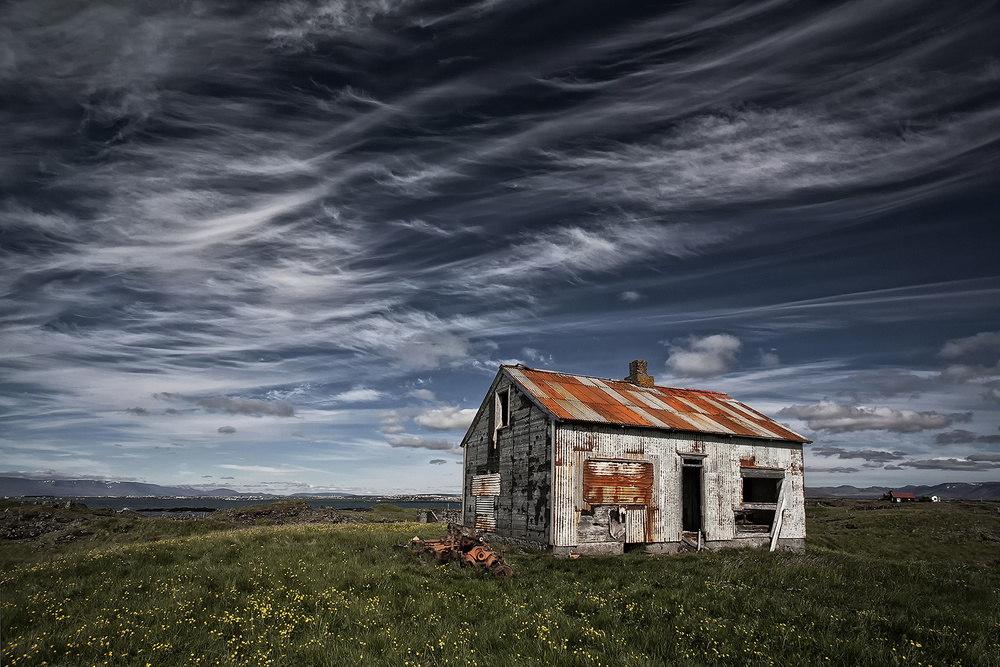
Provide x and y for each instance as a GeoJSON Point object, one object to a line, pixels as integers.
{"type": "Point", "coordinates": [618, 380]}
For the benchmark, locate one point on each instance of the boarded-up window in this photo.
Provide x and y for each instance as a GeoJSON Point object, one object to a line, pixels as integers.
{"type": "Point", "coordinates": [485, 490]}
{"type": "Point", "coordinates": [617, 482]}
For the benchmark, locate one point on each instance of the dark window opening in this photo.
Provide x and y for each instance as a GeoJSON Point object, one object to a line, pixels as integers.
{"type": "Point", "coordinates": [758, 490]}
{"type": "Point", "coordinates": [493, 458]}
{"type": "Point", "coordinates": [503, 408]}
{"type": "Point", "coordinates": [500, 419]}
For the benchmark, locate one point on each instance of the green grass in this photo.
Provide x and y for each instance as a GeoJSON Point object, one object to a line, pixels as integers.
{"type": "Point", "coordinates": [917, 585]}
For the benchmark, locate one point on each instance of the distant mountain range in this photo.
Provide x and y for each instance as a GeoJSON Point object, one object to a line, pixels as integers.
{"type": "Point", "coordinates": [19, 487]}
{"type": "Point", "coordinates": [946, 491]}
{"type": "Point", "coordinates": [23, 487]}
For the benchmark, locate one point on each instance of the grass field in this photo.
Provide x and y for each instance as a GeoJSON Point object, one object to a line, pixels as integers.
{"type": "Point", "coordinates": [915, 585]}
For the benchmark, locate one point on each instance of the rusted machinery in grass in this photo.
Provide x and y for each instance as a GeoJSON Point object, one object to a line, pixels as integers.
{"type": "Point", "coordinates": [467, 547]}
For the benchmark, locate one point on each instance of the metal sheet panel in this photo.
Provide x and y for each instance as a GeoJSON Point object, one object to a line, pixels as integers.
{"type": "Point", "coordinates": [564, 515]}
{"type": "Point", "coordinates": [486, 517]}
{"type": "Point", "coordinates": [651, 418]}
{"type": "Point", "coordinates": [617, 482]}
{"type": "Point", "coordinates": [578, 411]}
{"type": "Point", "coordinates": [636, 524]}
{"type": "Point", "coordinates": [486, 485]}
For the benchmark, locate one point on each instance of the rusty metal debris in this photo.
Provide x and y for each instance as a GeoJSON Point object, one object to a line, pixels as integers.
{"type": "Point", "coordinates": [467, 547]}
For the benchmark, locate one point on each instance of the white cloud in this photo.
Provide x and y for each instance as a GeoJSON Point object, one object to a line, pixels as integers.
{"type": "Point", "coordinates": [359, 395]}
{"type": "Point", "coordinates": [418, 340]}
{"type": "Point", "coordinates": [572, 251]}
{"type": "Point", "coordinates": [833, 417]}
{"type": "Point", "coordinates": [703, 357]}
{"type": "Point", "coordinates": [769, 358]}
{"type": "Point", "coordinates": [446, 419]}
{"type": "Point", "coordinates": [630, 296]}
{"type": "Point", "coordinates": [967, 372]}
{"type": "Point", "coordinates": [394, 421]}
{"type": "Point", "coordinates": [423, 394]}
{"type": "Point", "coordinates": [987, 342]}
{"type": "Point", "coordinates": [265, 469]}
{"type": "Point", "coordinates": [977, 357]}
{"type": "Point", "coordinates": [535, 356]}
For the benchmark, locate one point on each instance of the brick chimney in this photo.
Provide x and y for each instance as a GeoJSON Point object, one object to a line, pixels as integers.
{"type": "Point", "coordinates": [637, 374]}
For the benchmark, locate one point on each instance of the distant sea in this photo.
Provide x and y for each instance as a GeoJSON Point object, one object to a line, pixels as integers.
{"type": "Point", "coordinates": [203, 505]}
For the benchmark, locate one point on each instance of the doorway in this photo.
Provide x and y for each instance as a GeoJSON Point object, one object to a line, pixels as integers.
{"type": "Point", "coordinates": [691, 496]}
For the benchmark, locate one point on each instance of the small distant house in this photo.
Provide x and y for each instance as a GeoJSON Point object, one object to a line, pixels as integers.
{"type": "Point", "coordinates": [590, 465]}
{"type": "Point", "coordinates": [902, 497]}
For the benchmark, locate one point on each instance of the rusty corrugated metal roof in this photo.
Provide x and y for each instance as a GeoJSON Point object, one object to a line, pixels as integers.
{"type": "Point", "coordinates": [588, 399]}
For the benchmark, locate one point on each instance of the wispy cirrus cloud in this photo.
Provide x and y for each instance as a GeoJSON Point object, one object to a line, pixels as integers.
{"type": "Point", "coordinates": [252, 407]}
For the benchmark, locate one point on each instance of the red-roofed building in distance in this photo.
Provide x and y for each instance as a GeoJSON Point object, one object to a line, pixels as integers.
{"type": "Point", "coordinates": [588, 465]}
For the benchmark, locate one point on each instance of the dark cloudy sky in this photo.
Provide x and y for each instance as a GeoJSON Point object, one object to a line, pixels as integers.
{"type": "Point", "coordinates": [283, 246]}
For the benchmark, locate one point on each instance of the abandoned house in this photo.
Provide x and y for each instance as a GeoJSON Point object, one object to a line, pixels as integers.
{"type": "Point", "coordinates": [595, 466]}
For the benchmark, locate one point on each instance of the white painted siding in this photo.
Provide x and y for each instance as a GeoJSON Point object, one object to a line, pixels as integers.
{"type": "Point", "coordinates": [722, 459]}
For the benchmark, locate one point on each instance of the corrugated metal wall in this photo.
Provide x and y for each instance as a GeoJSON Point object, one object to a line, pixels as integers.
{"type": "Point", "coordinates": [721, 461]}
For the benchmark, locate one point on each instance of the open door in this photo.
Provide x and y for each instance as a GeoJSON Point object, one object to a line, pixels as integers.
{"type": "Point", "coordinates": [691, 496]}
